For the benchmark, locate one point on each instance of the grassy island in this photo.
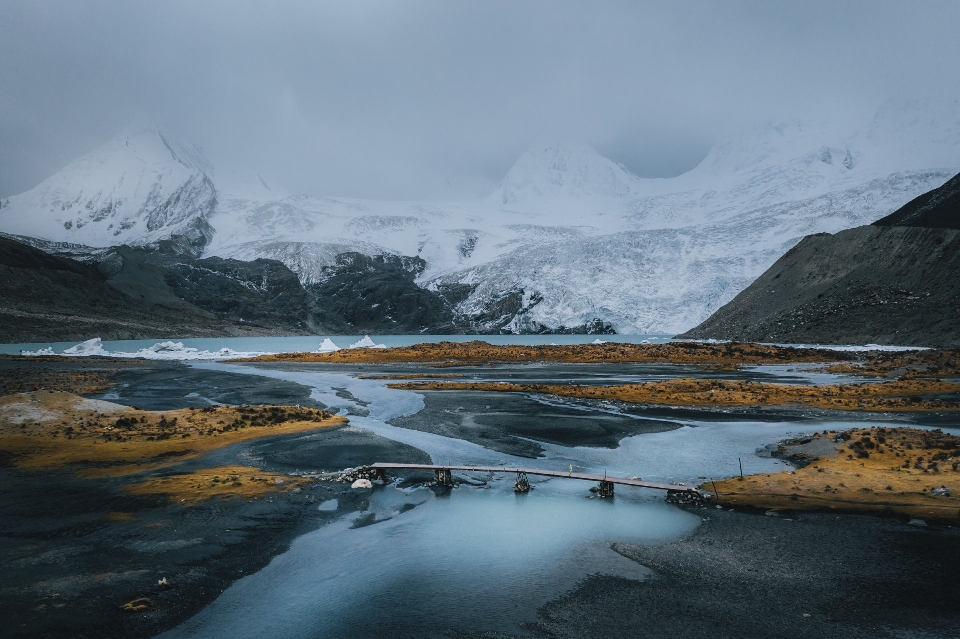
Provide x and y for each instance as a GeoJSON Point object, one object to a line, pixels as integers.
{"type": "Point", "coordinates": [901, 395]}
{"type": "Point", "coordinates": [901, 471]}
{"type": "Point", "coordinates": [94, 438]}
{"type": "Point", "coordinates": [479, 352]}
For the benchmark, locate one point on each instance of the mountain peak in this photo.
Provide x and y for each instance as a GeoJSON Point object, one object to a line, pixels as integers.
{"type": "Point", "coordinates": [141, 186]}
{"type": "Point", "coordinates": [561, 170]}
{"type": "Point", "coordinates": [152, 144]}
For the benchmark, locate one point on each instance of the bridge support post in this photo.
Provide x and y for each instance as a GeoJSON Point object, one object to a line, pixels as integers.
{"type": "Point", "coordinates": [523, 484]}
{"type": "Point", "coordinates": [606, 489]}
{"type": "Point", "coordinates": [444, 478]}
{"type": "Point", "coordinates": [377, 473]}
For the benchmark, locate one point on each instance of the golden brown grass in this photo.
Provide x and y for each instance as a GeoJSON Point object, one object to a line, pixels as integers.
{"type": "Point", "coordinates": [888, 471]}
{"type": "Point", "coordinates": [910, 365]}
{"type": "Point", "coordinates": [412, 376]}
{"type": "Point", "coordinates": [53, 430]}
{"type": "Point", "coordinates": [143, 604]}
{"type": "Point", "coordinates": [30, 378]}
{"type": "Point", "coordinates": [906, 395]}
{"type": "Point", "coordinates": [477, 351]}
{"type": "Point", "coordinates": [222, 481]}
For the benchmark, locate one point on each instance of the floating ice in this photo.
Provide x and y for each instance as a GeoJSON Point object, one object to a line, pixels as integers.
{"type": "Point", "coordinates": [366, 342]}
{"type": "Point", "coordinates": [90, 347]}
{"type": "Point", "coordinates": [329, 506]}
{"type": "Point", "coordinates": [598, 341]}
{"type": "Point", "coordinates": [42, 351]}
{"type": "Point", "coordinates": [168, 350]}
{"type": "Point", "coordinates": [328, 346]}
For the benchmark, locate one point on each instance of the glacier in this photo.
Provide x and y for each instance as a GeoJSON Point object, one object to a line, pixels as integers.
{"type": "Point", "coordinates": [568, 236]}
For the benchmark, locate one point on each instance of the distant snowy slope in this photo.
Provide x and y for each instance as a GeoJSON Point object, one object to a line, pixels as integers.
{"type": "Point", "coordinates": [139, 187]}
{"type": "Point", "coordinates": [567, 237]}
{"type": "Point", "coordinates": [561, 172]}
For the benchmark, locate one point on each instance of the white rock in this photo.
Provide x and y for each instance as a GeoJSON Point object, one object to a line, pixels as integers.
{"type": "Point", "coordinates": [362, 483]}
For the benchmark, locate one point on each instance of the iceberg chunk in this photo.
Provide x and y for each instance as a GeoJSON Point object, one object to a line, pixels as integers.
{"type": "Point", "coordinates": [329, 347]}
{"type": "Point", "coordinates": [366, 342]}
{"type": "Point", "coordinates": [42, 351]}
{"type": "Point", "coordinates": [90, 347]}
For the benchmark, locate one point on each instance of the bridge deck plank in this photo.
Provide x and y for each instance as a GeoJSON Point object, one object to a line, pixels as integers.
{"type": "Point", "coordinates": [626, 481]}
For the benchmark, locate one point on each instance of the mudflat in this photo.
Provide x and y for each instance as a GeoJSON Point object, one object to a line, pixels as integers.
{"type": "Point", "coordinates": [743, 575]}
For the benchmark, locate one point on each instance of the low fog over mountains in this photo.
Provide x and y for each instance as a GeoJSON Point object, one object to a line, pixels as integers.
{"type": "Point", "coordinates": [569, 240]}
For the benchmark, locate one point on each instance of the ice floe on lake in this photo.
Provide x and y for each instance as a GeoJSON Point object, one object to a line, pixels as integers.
{"type": "Point", "coordinates": [366, 342]}
{"type": "Point", "coordinates": [38, 353]}
{"type": "Point", "coordinates": [90, 347]}
{"type": "Point", "coordinates": [168, 350]}
{"type": "Point", "coordinates": [328, 346]}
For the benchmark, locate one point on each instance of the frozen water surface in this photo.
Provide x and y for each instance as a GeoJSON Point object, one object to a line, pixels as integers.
{"type": "Point", "coordinates": [462, 560]}
{"type": "Point", "coordinates": [412, 563]}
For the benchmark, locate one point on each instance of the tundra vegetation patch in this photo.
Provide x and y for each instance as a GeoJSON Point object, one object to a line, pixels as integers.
{"type": "Point", "coordinates": [900, 471]}
{"type": "Point", "coordinates": [48, 430]}
{"type": "Point", "coordinates": [906, 395]}
{"type": "Point", "coordinates": [734, 353]}
{"type": "Point", "coordinates": [221, 481]}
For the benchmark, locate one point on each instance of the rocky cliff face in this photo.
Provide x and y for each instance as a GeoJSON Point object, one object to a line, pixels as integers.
{"type": "Point", "coordinates": [378, 294]}
{"type": "Point", "coordinates": [882, 284]}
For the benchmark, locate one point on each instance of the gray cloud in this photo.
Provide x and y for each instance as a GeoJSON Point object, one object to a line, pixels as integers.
{"type": "Point", "coordinates": [400, 99]}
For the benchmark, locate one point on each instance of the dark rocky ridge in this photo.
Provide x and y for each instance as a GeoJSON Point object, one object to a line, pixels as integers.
{"type": "Point", "coordinates": [262, 292]}
{"type": "Point", "coordinates": [378, 294]}
{"type": "Point", "coordinates": [896, 282]}
{"type": "Point", "coordinates": [938, 209]}
{"type": "Point", "coordinates": [61, 292]}
{"type": "Point", "coordinates": [45, 297]}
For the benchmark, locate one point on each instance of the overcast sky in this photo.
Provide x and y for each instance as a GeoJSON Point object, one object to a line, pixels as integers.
{"type": "Point", "coordinates": [401, 99]}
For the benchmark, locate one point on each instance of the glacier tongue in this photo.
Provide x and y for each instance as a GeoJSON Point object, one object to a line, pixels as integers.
{"type": "Point", "coordinates": [568, 238]}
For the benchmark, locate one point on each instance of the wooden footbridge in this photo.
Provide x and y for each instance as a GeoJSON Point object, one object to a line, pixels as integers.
{"type": "Point", "coordinates": [679, 492]}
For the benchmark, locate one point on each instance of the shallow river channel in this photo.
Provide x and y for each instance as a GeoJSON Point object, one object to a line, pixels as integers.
{"type": "Point", "coordinates": [480, 557]}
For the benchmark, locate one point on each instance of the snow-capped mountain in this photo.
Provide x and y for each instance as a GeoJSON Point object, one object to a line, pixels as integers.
{"type": "Point", "coordinates": [141, 186]}
{"type": "Point", "coordinates": [551, 172]}
{"type": "Point", "coordinates": [567, 236]}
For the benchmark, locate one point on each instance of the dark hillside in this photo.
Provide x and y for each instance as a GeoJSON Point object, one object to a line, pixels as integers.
{"type": "Point", "coordinates": [46, 297]}
{"type": "Point", "coordinates": [936, 209]}
{"type": "Point", "coordinates": [894, 282]}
